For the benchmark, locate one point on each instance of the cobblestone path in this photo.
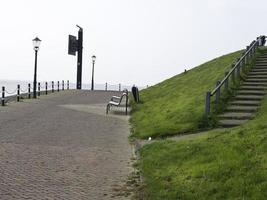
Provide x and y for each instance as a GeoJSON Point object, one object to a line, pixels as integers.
{"type": "Point", "coordinates": [63, 146]}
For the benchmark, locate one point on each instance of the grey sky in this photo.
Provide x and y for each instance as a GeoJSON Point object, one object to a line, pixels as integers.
{"type": "Point", "coordinates": [136, 41]}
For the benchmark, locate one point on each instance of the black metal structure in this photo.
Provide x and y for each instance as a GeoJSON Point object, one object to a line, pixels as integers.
{"type": "Point", "coordinates": [35, 71]}
{"type": "Point", "coordinates": [79, 58]}
{"type": "Point", "coordinates": [77, 45]}
{"type": "Point", "coordinates": [36, 45]}
{"type": "Point", "coordinates": [93, 71]}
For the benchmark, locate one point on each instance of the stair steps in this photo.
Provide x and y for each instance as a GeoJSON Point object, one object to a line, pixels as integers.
{"type": "Point", "coordinates": [249, 83]}
{"type": "Point", "coordinates": [240, 108]}
{"type": "Point", "coordinates": [226, 123]}
{"type": "Point", "coordinates": [237, 115]}
{"type": "Point", "coordinates": [248, 98]}
{"type": "Point", "coordinates": [263, 80]}
{"type": "Point", "coordinates": [262, 73]}
{"type": "Point", "coordinates": [253, 87]}
{"type": "Point", "coordinates": [257, 76]}
{"type": "Point", "coordinates": [245, 103]}
{"type": "Point", "coordinates": [258, 70]}
{"type": "Point", "coordinates": [251, 92]}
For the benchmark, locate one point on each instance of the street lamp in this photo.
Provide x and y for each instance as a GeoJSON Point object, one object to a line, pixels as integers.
{"type": "Point", "coordinates": [36, 44]}
{"type": "Point", "coordinates": [93, 61]}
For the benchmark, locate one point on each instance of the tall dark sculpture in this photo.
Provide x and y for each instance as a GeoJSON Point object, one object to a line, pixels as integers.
{"type": "Point", "coordinates": [77, 45]}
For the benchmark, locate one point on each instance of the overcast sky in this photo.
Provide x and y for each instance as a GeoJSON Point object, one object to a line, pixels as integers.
{"type": "Point", "coordinates": [138, 42]}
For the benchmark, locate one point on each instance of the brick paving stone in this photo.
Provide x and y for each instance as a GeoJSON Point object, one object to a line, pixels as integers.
{"type": "Point", "coordinates": [63, 146]}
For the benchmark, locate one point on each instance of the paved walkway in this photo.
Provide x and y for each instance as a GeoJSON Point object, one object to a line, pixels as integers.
{"type": "Point", "coordinates": [63, 146]}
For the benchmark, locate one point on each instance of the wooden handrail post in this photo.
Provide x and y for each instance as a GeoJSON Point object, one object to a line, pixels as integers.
{"type": "Point", "coordinates": [233, 75]}
{"type": "Point", "coordinates": [68, 84]}
{"type": "Point", "coordinates": [241, 66]}
{"type": "Point", "coordinates": [238, 71]}
{"type": "Point", "coordinates": [106, 86]}
{"type": "Point", "coordinates": [58, 86]}
{"type": "Point", "coordinates": [207, 106]}
{"type": "Point", "coordinates": [226, 84]}
{"type": "Point", "coordinates": [18, 93]}
{"type": "Point", "coordinates": [62, 84]}
{"type": "Point", "coordinates": [246, 60]}
{"type": "Point", "coordinates": [3, 96]}
{"type": "Point", "coordinates": [119, 87]}
{"type": "Point", "coordinates": [218, 93]}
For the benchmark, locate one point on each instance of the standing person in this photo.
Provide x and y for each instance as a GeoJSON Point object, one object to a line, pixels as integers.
{"type": "Point", "coordinates": [135, 93]}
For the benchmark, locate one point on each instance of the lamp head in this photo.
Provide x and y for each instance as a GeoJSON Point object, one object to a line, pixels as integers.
{"type": "Point", "coordinates": [36, 43]}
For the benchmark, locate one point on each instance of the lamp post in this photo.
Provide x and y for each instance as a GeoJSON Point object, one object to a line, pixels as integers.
{"type": "Point", "coordinates": [93, 69]}
{"type": "Point", "coordinates": [36, 44]}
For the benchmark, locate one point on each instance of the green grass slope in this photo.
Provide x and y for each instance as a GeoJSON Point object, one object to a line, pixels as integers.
{"type": "Point", "coordinates": [176, 105]}
{"type": "Point", "coordinates": [228, 164]}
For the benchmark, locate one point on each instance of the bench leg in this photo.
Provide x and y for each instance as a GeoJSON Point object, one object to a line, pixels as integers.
{"type": "Point", "coordinates": [107, 109]}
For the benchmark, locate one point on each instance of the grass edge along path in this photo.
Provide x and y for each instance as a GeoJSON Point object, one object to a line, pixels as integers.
{"type": "Point", "coordinates": [176, 105]}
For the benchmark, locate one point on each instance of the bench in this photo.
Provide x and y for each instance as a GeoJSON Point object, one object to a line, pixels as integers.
{"type": "Point", "coordinates": [116, 101]}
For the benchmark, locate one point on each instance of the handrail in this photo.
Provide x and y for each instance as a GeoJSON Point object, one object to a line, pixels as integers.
{"type": "Point", "coordinates": [249, 53]}
{"type": "Point", "coordinates": [235, 67]}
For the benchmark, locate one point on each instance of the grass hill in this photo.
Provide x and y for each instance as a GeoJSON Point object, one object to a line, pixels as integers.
{"type": "Point", "coordinates": [176, 105]}
{"type": "Point", "coordinates": [220, 164]}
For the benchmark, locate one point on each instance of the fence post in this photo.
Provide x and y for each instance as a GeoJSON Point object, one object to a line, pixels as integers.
{"type": "Point", "coordinates": [119, 87]}
{"type": "Point", "coordinates": [241, 66]}
{"type": "Point", "coordinates": [39, 88]}
{"type": "Point", "coordinates": [3, 96]}
{"type": "Point", "coordinates": [62, 84]}
{"type": "Point", "coordinates": [29, 90]}
{"type": "Point", "coordinates": [218, 93]}
{"type": "Point", "coordinates": [248, 55]}
{"type": "Point", "coordinates": [207, 107]}
{"type": "Point", "coordinates": [45, 88]}
{"type": "Point", "coordinates": [233, 75]}
{"type": "Point", "coordinates": [106, 86]}
{"type": "Point", "coordinates": [58, 86]}
{"type": "Point", "coordinates": [226, 84]}
{"type": "Point", "coordinates": [52, 86]}
{"type": "Point", "coordinates": [68, 84]}
{"type": "Point", "coordinates": [238, 71]}
{"type": "Point", "coordinates": [126, 104]}
{"type": "Point", "coordinates": [18, 93]}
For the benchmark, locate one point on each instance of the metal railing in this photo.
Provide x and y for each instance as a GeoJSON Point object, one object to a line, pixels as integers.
{"type": "Point", "coordinates": [234, 73]}
{"type": "Point", "coordinates": [17, 94]}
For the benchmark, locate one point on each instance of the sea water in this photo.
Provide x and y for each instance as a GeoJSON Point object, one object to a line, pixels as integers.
{"type": "Point", "coordinates": [11, 86]}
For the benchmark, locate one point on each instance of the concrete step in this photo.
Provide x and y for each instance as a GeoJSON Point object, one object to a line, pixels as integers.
{"type": "Point", "coordinates": [261, 66]}
{"type": "Point", "coordinates": [262, 80]}
{"type": "Point", "coordinates": [252, 73]}
{"type": "Point", "coordinates": [258, 70]}
{"type": "Point", "coordinates": [251, 92]}
{"type": "Point", "coordinates": [254, 87]}
{"type": "Point", "coordinates": [236, 115]}
{"type": "Point", "coordinates": [226, 123]}
{"type": "Point", "coordinates": [248, 97]}
{"type": "Point", "coordinates": [249, 83]}
{"type": "Point", "coordinates": [245, 103]}
{"type": "Point", "coordinates": [257, 76]}
{"type": "Point", "coordinates": [235, 108]}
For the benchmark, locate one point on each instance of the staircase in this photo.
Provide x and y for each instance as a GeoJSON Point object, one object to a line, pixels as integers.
{"type": "Point", "coordinates": [248, 98]}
